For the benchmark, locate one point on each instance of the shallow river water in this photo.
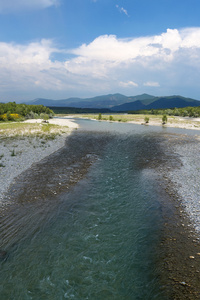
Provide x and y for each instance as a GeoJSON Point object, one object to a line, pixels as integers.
{"type": "Point", "coordinates": [87, 222]}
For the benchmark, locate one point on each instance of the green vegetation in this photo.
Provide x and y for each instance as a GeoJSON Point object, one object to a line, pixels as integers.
{"type": "Point", "coordinates": [182, 112]}
{"type": "Point", "coordinates": [13, 153]}
{"type": "Point", "coordinates": [16, 112]}
{"type": "Point", "coordinates": [114, 117]}
{"type": "Point", "coordinates": [146, 119]}
{"type": "Point", "coordinates": [100, 116]}
{"type": "Point", "coordinates": [164, 119]}
{"type": "Point", "coordinates": [45, 117]}
{"type": "Point", "coordinates": [45, 130]}
{"type": "Point", "coordinates": [75, 110]}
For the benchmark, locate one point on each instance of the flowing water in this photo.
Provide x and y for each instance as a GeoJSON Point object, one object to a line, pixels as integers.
{"type": "Point", "coordinates": [86, 223]}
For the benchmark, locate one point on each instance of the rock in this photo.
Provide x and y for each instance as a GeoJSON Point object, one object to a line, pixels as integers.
{"type": "Point", "coordinates": [3, 254]}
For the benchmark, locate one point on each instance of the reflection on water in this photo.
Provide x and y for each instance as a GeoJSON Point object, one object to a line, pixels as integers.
{"type": "Point", "coordinates": [95, 235]}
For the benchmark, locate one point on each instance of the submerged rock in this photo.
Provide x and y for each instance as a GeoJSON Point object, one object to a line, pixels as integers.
{"type": "Point", "coordinates": [3, 254]}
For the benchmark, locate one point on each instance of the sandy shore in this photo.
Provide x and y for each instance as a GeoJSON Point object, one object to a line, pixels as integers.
{"type": "Point", "coordinates": [19, 153]}
{"type": "Point", "coordinates": [174, 122]}
{"type": "Point", "coordinates": [56, 121]}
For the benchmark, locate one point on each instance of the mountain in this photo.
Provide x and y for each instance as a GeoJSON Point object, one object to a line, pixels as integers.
{"type": "Point", "coordinates": [143, 98]}
{"type": "Point", "coordinates": [50, 102]}
{"type": "Point", "coordinates": [104, 101]}
{"type": "Point", "coordinates": [156, 103]}
{"type": "Point", "coordinates": [119, 102]}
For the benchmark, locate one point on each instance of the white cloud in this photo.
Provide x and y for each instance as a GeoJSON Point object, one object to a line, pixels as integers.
{"type": "Point", "coordinates": [127, 84]}
{"type": "Point", "coordinates": [122, 10]}
{"type": "Point", "coordinates": [152, 83]}
{"type": "Point", "coordinates": [10, 6]}
{"type": "Point", "coordinates": [106, 64]}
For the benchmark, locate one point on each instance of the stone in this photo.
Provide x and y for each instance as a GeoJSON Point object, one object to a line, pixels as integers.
{"type": "Point", "coordinates": [3, 254]}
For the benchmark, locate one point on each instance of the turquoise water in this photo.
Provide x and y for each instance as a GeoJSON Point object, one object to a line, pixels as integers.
{"type": "Point", "coordinates": [101, 240]}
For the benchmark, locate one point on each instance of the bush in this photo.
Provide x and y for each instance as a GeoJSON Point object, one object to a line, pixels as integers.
{"type": "Point", "coordinates": [164, 119]}
{"type": "Point", "coordinates": [99, 116]}
{"type": "Point", "coordinates": [31, 115]}
{"type": "Point", "coordinates": [13, 153]}
{"type": "Point", "coordinates": [45, 117]}
{"type": "Point", "coordinates": [111, 118]}
{"type": "Point", "coordinates": [146, 119]}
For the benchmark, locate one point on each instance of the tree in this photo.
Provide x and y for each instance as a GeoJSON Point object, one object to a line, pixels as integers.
{"type": "Point", "coordinates": [99, 116]}
{"type": "Point", "coordinates": [111, 118]}
{"type": "Point", "coordinates": [164, 119]}
{"type": "Point", "coordinates": [45, 117]}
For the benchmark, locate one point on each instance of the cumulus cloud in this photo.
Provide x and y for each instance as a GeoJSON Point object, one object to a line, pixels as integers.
{"type": "Point", "coordinates": [160, 47]}
{"type": "Point", "coordinates": [153, 53]}
{"type": "Point", "coordinates": [107, 64]}
{"type": "Point", "coordinates": [24, 66]}
{"type": "Point", "coordinates": [11, 6]}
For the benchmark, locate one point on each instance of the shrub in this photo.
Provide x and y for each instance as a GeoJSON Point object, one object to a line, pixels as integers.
{"type": "Point", "coordinates": [13, 153]}
{"type": "Point", "coordinates": [3, 117]}
{"type": "Point", "coordinates": [45, 117]}
{"type": "Point", "coordinates": [111, 118]}
{"type": "Point", "coordinates": [31, 115]}
{"type": "Point", "coordinates": [164, 119]}
{"type": "Point", "coordinates": [15, 116]}
{"type": "Point", "coordinates": [100, 116]}
{"type": "Point", "coordinates": [146, 119]}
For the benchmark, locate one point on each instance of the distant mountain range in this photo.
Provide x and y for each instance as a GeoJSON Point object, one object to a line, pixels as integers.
{"type": "Point", "coordinates": [120, 103]}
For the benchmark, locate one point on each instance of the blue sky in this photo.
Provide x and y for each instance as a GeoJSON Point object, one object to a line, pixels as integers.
{"type": "Point", "coordinates": [82, 48]}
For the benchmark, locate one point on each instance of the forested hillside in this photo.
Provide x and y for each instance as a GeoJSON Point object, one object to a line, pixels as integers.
{"type": "Point", "coordinates": [183, 112]}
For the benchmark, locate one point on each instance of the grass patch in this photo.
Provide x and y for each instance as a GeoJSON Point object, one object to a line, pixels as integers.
{"type": "Point", "coordinates": [122, 117]}
{"type": "Point", "coordinates": [20, 129]}
{"type": "Point", "coordinates": [13, 153]}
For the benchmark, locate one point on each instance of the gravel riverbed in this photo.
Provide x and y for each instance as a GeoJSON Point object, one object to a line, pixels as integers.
{"type": "Point", "coordinates": [19, 154]}
{"type": "Point", "coordinates": [187, 177]}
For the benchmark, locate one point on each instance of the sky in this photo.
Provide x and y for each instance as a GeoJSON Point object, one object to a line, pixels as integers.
{"type": "Point", "coordinates": [58, 49]}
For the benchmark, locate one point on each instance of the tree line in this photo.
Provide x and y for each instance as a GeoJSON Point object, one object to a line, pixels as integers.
{"type": "Point", "coordinates": [11, 111]}
{"type": "Point", "coordinates": [193, 112]}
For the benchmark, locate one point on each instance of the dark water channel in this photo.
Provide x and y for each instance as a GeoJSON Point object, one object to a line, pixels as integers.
{"type": "Point", "coordinates": [87, 222]}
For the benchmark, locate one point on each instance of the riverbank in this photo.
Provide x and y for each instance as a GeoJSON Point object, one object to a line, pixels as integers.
{"type": "Point", "coordinates": [154, 120]}
{"type": "Point", "coordinates": [181, 236]}
{"type": "Point", "coordinates": [22, 145]}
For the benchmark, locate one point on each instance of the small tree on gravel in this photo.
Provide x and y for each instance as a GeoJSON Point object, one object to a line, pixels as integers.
{"type": "Point", "coordinates": [99, 116]}
{"type": "Point", "coordinates": [146, 119]}
{"type": "Point", "coordinates": [164, 119]}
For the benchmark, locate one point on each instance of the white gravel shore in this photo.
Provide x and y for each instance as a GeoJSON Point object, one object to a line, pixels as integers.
{"type": "Point", "coordinates": [18, 153]}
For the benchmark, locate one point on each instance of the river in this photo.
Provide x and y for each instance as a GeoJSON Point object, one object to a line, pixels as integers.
{"type": "Point", "coordinates": [89, 221]}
